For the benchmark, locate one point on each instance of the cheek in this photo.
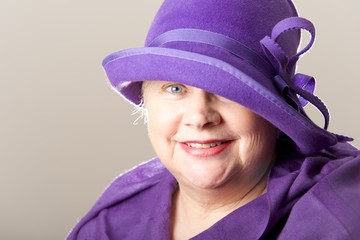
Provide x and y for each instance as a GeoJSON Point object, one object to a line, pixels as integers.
{"type": "Point", "coordinates": [162, 126]}
{"type": "Point", "coordinates": [258, 147]}
{"type": "Point", "coordinates": [161, 121]}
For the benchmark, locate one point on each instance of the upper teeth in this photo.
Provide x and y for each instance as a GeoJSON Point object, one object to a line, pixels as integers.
{"type": "Point", "coordinates": [206, 145]}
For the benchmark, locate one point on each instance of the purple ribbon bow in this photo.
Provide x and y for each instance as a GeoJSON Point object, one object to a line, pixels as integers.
{"type": "Point", "coordinates": [295, 88]}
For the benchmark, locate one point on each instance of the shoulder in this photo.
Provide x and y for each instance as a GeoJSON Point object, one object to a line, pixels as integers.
{"type": "Point", "coordinates": [326, 192]}
{"type": "Point", "coordinates": [125, 202]}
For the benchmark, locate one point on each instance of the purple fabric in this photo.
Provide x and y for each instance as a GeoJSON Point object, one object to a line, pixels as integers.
{"type": "Point", "coordinates": [314, 197]}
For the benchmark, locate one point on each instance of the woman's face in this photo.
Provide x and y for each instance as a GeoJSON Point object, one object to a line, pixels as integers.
{"type": "Point", "coordinates": [207, 141]}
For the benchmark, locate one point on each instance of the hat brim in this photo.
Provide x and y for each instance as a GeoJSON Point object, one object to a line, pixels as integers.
{"type": "Point", "coordinates": [242, 84]}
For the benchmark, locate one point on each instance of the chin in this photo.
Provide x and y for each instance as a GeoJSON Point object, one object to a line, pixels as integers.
{"type": "Point", "coordinates": [205, 178]}
{"type": "Point", "coordinates": [201, 184]}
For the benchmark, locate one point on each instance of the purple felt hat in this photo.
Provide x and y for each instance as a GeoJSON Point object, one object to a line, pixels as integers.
{"type": "Point", "coordinates": [243, 50]}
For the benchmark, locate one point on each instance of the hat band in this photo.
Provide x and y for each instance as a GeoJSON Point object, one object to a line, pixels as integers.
{"type": "Point", "coordinates": [217, 40]}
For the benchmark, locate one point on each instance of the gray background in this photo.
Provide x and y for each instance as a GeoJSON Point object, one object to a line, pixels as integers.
{"type": "Point", "coordinates": [65, 135]}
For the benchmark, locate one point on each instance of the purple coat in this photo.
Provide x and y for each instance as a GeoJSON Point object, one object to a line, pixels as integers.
{"type": "Point", "coordinates": [313, 197]}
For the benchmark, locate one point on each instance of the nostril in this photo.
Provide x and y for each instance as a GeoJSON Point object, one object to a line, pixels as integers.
{"type": "Point", "coordinates": [202, 118]}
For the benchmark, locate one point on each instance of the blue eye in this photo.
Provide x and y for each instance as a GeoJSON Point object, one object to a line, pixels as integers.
{"type": "Point", "coordinates": [176, 89]}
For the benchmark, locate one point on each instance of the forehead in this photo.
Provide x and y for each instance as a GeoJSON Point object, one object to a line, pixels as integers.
{"type": "Point", "coordinates": [146, 84]}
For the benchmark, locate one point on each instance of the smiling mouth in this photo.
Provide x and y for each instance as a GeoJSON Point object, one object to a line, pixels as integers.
{"type": "Point", "coordinates": [204, 145]}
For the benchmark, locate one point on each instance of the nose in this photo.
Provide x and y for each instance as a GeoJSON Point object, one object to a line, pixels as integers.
{"type": "Point", "coordinates": [202, 111]}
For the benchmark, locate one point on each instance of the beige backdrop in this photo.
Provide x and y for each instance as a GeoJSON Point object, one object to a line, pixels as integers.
{"type": "Point", "coordinates": [65, 135]}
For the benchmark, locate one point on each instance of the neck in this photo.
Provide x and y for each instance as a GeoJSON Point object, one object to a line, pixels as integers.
{"type": "Point", "coordinates": [224, 197]}
{"type": "Point", "coordinates": [195, 210]}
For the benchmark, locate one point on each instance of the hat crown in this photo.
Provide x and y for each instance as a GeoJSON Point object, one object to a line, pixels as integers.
{"type": "Point", "coordinates": [246, 21]}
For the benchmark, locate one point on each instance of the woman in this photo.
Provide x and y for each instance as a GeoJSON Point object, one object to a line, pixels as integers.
{"type": "Point", "coordinates": [237, 156]}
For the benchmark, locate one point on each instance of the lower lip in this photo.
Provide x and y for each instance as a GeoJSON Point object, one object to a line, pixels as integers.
{"type": "Point", "coordinates": [204, 152]}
